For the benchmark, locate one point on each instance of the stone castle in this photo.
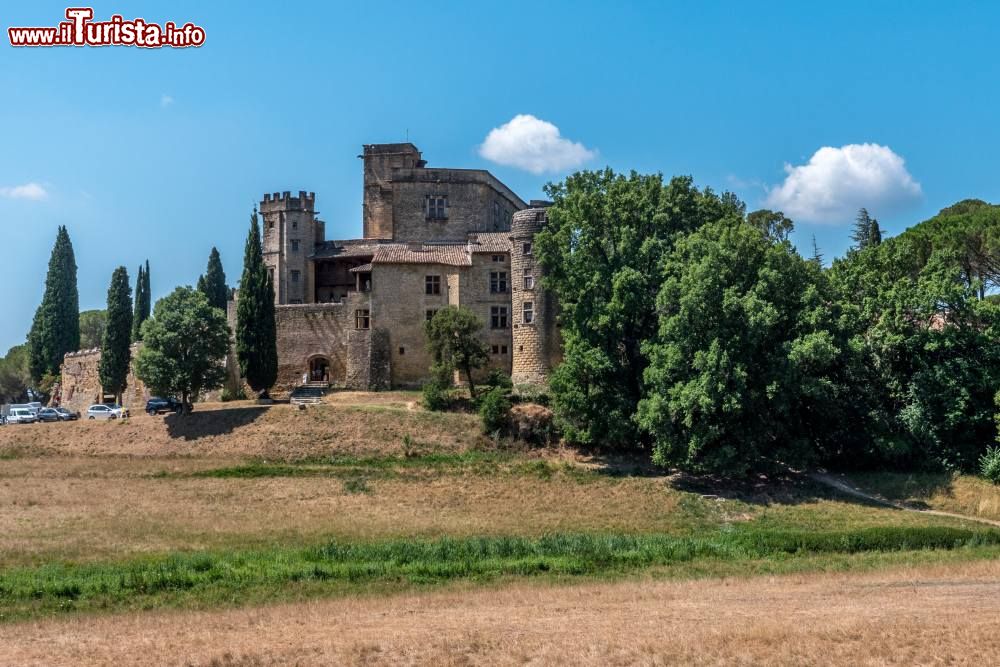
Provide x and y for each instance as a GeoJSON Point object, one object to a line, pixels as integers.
{"type": "Point", "coordinates": [350, 313]}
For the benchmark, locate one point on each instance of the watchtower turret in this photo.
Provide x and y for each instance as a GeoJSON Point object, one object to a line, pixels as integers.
{"type": "Point", "coordinates": [537, 345]}
{"type": "Point", "coordinates": [291, 231]}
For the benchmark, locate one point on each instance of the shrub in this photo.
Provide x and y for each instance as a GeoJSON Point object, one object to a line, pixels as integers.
{"type": "Point", "coordinates": [497, 378]}
{"type": "Point", "coordinates": [494, 408]}
{"type": "Point", "coordinates": [437, 390]}
{"type": "Point", "coordinates": [989, 465]}
{"type": "Point", "coordinates": [229, 394]}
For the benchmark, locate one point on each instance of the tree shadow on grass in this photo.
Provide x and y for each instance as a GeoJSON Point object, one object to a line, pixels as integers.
{"type": "Point", "coordinates": [208, 423]}
{"type": "Point", "coordinates": [912, 489]}
{"type": "Point", "coordinates": [780, 487]}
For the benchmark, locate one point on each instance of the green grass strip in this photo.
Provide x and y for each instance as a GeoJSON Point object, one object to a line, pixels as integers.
{"type": "Point", "coordinates": [224, 577]}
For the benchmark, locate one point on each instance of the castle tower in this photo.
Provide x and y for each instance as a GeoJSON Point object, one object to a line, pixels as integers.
{"type": "Point", "coordinates": [290, 235]}
{"type": "Point", "coordinates": [380, 160]}
{"type": "Point", "coordinates": [537, 346]}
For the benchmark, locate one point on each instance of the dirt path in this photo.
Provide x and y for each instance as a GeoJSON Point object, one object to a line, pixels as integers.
{"type": "Point", "coordinates": [844, 487]}
{"type": "Point", "coordinates": [926, 615]}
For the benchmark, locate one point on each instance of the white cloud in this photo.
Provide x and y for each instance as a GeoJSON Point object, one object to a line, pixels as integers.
{"type": "Point", "coordinates": [166, 100]}
{"type": "Point", "coordinates": [534, 145]}
{"type": "Point", "coordinates": [32, 191]}
{"type": "Point", "coordinates": [836, 182]}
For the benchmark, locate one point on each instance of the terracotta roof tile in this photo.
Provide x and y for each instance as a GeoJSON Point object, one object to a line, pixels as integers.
{"type": "Point", "coordinates": [403, 253]}
{"type": "Point", "coordinates": [489, 242]}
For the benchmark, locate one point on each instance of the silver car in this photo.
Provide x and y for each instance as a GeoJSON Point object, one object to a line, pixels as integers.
{"type": "Point", "coordinates": [21, 416]}
{"type": "Point", "coordinates": [106, 411]}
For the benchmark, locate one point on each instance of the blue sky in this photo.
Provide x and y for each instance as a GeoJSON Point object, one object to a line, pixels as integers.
{"type": "Point", "coordinates": [161, 154]}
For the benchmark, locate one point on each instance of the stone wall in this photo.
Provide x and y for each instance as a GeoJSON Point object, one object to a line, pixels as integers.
{"type": "Point", "coordinates": [400, 305]}
{"type": "Point", "coordinates": [79, 387]}
{"type": "Point", "coordinates": [477, 297]}
{"type": "Point", "coordinates": [471, 195]}
{"type": "Point", "coordinates": [537, 345]}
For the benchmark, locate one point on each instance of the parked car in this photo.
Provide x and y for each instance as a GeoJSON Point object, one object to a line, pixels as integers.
{"type": "Point", "coordinates": [106, 411]}
{"type": "Point", "coordinates": [67, 415]}
{"type": "Point", "coordinates": [21, 416]}
{"type": "Point", "coordinates": [33, 408]}
{"type": "Point", "coordinates": [157, 405]}
{"type": "Point", "coordinates": [48, 415]}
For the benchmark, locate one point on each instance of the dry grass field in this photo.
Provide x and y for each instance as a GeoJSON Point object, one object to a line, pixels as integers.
{"type": "Point", "coordinates": [935, 615]}
{"type": "Point", "coordinates": [366, 469]}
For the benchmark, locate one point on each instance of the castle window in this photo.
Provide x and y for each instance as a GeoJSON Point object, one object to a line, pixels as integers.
{"type": "Point", "coordinates": [402, 350]}
{"type": "Point", "coordinates": [270, 223]}
{"type": "Point", "coordinates": [430, 314]}
{"type": "Point", "coordinates": [526, 248]}
{"type": "Point", "coordinates": [362, 318]}
{"type": "Point", "coordinates": [500, 217]}
{"type": "Point", "coordinates": [498, 282]}
{"type": "Point", "coordinates": [270, 274]}
{"type": "Point", "coordinates": [497, 258]}
{"type": "Point", "coordinates": [498, 317]}
{"type": "Point", "coordinates": [529, 280]}
{"type": "Point", "coordinates": [528, 312]}
{"type": "Point", "coordinates": [437, 207]}
{"type": "Point", "coordinates": [295, 276]}
{"type": "Point", "coordinates": [295, 245]}
{"type": "Point", "coordinates": [432, 285]}
{"type": "Point", "coordinates": [295, 224]}
{"type": "Point", "coordinates": [499, 349]}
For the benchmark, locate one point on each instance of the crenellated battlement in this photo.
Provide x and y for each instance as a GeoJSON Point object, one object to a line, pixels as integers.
{"type": "Point", "coordinates": [284, 201]}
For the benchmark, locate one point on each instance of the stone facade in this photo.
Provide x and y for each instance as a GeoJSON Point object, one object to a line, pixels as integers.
{"type": "Point", "coordinates": [79, 387]}
{"type": "Point", "coordinates": [351, 313]}
{"type": "Point", "coordinates": [537, 344]}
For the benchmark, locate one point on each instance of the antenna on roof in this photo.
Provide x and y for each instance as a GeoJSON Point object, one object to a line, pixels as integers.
{"type": "Point", "coordinates": [407, 134]}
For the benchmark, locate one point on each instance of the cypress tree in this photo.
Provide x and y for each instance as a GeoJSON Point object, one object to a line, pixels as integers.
{"type": "Point", "coordinates": [56, 327]}
{"type": "Point", "coordinates": [817, 256]}
{"type": "Point", "coordinates": [862, 229]}
{"type": "Point", "coordinates": [147, 300]}
{"type": "Point", "coordinates": [213, 283]}
{"type": "Point", "coordinates": [256, 335]}
{"type": "Point", "coordinates": [137, 318]}
{"type": "Point", "coordinates": [874, 233]}
{"type": "Point", "coordinates": [112, 370]}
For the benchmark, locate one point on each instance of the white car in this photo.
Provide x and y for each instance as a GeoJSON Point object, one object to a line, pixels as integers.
{"type": "Point", "coordinates": [106, 411]}
{"type": "Point", "coordinates": [21, 416]}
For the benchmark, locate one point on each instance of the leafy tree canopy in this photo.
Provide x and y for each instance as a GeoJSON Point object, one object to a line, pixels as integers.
{"type": "Point", "coordinates": [746, 365]}
{"type": "Point", "coordinates": [601, 248]}
{"type": "Point", "coordinates": [184, 345]}
{"type": "Point", "coordinates": [92, 324]}
{"type": "Point", "coordinates": [453, 340]}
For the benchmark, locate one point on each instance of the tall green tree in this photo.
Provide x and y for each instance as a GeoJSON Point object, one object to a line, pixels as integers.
{"type": "Point", "coordinates": [256, 332]}
{"type": "Point", "coordinates": [15, 377]}
{"type": "Point", "coordinates": [930, 363]}
{"type": "Point", "coordinates": [92, 324]}
{"type": "Point", "coordinates": [213, 283]}
{"type": "Point", "coordinates": [875, 233]}
{"type": "Point", "coordinates": [116, 353]}
{"type": "Point", "coordinates": [453, 341]}
{"type": "Point", "coordinates": [55, 329]}
{"type": "Point", "coordinates": [745, 368]}
{"type": "Point", "coordinates": [772, 224]}
{"type": "Point", "coordinates": [817, 255]}
{"type": "Point", "coordinates": [147, 298]}
{"type": "Point", "coordinates": [601, 247]}
{"type": "Point", "coordinates": [184, 345]}
{"type": "Point", "coordinates": [861, 235]}
{"type": "Point", "coordinates": [141, 311]}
